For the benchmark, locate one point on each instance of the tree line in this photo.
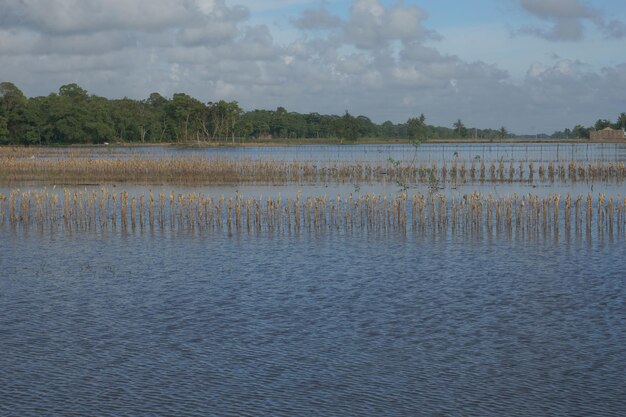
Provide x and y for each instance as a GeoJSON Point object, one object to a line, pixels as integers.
{"type": "Point", "coordinates": [580, 131]}
{"type": "Point", "coordinates": [73, 116]}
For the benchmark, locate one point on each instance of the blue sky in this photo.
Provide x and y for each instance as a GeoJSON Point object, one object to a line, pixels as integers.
{"type": "Point", "coordinates": [477, 30]}
{"type": "Point", "coordinates": [527, 65]}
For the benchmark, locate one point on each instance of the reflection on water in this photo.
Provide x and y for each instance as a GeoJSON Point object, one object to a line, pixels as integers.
{"type": "Point", "coordinates": [310, 324]}
{"type": "Point", "coordinates": [384, 311]}
{"type": "Point", "coordinates": [387, 185]}
{"type": "Point", "coordinates": [537, 152]}
{"type": "Point", "coordinates": [517, 216]}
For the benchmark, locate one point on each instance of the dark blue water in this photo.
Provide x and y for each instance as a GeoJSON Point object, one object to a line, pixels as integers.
{"type": "Point", "coordinates": [326, 324]}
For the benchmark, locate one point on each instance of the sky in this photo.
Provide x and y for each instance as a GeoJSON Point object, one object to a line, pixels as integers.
{"type": "Point", "coordinates": [528, 65]}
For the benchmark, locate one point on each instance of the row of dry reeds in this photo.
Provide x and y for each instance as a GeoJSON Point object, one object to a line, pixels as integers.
{"type": "Point", "coordinates": [59, 151]}
{"type": "Point", "coordinates": [501, 171]}
{"type": "Point", "coordinates": [473, 213]}
{"type": "Point", "coordinates": [229, 171]}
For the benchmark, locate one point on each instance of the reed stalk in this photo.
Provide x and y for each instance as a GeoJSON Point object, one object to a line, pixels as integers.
{"type": "Point", "coordinates": [526, 216]}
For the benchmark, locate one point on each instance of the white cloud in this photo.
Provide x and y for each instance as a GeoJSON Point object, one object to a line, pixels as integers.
{"type": "Point", "coordinates": [373, 26]}
{"type": "Point", "coordinates": [312, 19]}
{"type": "Point", "coordinates": [353, 64]}
{"type": "Point", "coordinates": [560, 9]}
{"type": "Point", "coordinates": [75, 16]}
{"type": "Point", "coordinates": [379, 60]}
{"type": "Point", "coordinates": [265, 6]}
{"type": "Point", "coordinates": [567, 20]}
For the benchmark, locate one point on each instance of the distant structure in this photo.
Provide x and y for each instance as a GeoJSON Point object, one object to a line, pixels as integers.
{"type": "Point", "coordinates": [607, 133]}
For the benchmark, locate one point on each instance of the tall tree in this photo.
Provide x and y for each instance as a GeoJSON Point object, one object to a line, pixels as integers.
{"type": "Point", "coordinates": [567, 133]}
{"type": "Point", "coordinates": [503, 132]}
{"type": "Point", "coordinates": [580, 131]}
{"type": "Point", "coordinates": [416, 127]}
{"type": "Point", "coordinates": [347, 127]}
{"type": "Point", "coordinates": [187, 116]}
{"type": "Point", "coordinates": [13, 108]}
{"type": "Point", "coordinates": [223, 118]}
{"type": "Point", "coordinates": [460, 129]}
{"type": "Point", "coordinates": [74, 91]}
{"type": "Point", "coordinates": [157, 105]}
{"type": "Point", "coordinates": [602, 124]}
{"type": "Point", "coordinates": [278, 123]}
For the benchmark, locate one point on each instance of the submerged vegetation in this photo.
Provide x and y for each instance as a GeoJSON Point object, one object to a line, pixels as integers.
{"type": "Point", "coordinates": [473, 214]}
{"type": "Point", "coordinates": [15, 167]}
{"type": "Point", "coordinates": [73, 116]}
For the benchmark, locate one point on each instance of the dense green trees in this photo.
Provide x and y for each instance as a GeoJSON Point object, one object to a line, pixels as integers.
{"type": "Point", "coordinates": [602, 124]}
{"type": "Point", "coordinates": [13, 113]}
{"type": "Point", "coordinates": [73, 116]}
{"type": "Point", "coordinates": [416, 127]}
{"type": "Point", "coordinates": [581, 132]}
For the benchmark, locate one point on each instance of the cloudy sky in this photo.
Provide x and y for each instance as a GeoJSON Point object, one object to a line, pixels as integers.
{"type": "Point", "coordinates": [528, 65]}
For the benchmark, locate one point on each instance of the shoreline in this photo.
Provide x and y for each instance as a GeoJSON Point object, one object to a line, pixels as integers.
{"type": "Point", "coordinates": [309, 142]}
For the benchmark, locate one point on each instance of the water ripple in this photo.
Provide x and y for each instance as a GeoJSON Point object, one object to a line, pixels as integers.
{"type": "Point", "coordinates": [326, 325]}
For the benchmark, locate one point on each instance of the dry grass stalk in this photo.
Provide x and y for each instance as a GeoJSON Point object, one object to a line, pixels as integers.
{"type": "Point", "coordinates": [527, 216]}
{"type": "Point", "coordinates": [79, 169]}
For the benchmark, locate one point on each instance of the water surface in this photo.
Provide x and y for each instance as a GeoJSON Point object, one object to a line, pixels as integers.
{"type": "Point", "coordinates": [334, 324]}
{"type": "Point", "coordinates": [536, 152]}
{"type": "Point", "coordinates": [123, 321]}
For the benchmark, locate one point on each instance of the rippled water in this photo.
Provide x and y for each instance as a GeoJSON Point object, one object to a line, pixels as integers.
{"type": "Point", "coordinates": [167, 321]}
{"type": "Point", "coordinates": [330, 324]}
{"type": "Point", "coordinates": [390, 187]}
{"type": "Point", "coordinates": [538, 152]}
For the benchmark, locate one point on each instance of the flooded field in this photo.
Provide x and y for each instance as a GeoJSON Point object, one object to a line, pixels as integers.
{"type": "Point", "coordinates": [341, 280]}
{"type": "Point", "coordinates": [538, 152]}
